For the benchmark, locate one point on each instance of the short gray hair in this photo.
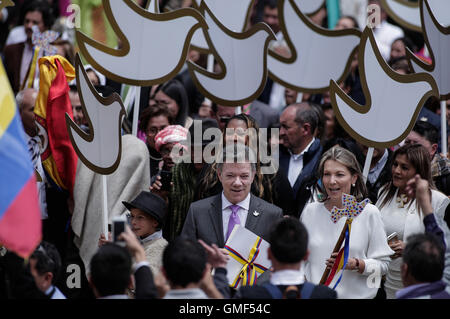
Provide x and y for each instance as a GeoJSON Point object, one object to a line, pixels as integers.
{"type": "Point", "coordinates": [305, 113]}
{"type": "Point", "coordinates": [237, 153]}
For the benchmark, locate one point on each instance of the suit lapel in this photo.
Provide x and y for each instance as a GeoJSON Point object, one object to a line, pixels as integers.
{"type": "Point", "coordinates": [254, 214]}
{"type": "Point", "coordinates": [215, 213]}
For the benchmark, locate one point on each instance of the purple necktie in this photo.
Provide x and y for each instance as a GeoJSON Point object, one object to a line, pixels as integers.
{"type": "Point", "coordinates": [234, 219]}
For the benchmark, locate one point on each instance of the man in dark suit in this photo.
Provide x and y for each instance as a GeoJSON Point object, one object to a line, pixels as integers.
{"type": "Point", "coordinates": [17, 57]}
{"type": "Point", "coordinates": [422, 269]}
{"type": "Point", "coordinates": [288, 248]}
{"type": "Point", "coordinates": [300, 151]}
{"type": "Point", "coordinates": [212, 219]}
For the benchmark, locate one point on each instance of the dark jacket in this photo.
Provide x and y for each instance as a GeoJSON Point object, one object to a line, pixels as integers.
{"type": "Point", "coordinates": [433, 290]}
{"type": "Point", "coordinates": [384, 177]}
{"type": "Point", "coordinates": [307, 178]}
{"type": "Point", "coordinates": [260, 292]}
{"type": "Point", "coordinates": [12, 61]}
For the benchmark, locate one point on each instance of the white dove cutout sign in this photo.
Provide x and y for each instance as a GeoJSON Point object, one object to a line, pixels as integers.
{"type": "Point", "coordinates": [154, 46]}
{"type": "Point", "coordinates": [393, 100]}
{"type": "Point", "coordinates": [437, 39]}
{"type": "Point", "coordinates": [6, 3]}
{"type": "Point", "coordinates": [242, 58]}
{"type": "Point", "coordinates": [309, 6]}
{"type": "Point", "coordinates": [407, 13]}
{"type": "Point", "coordinates": [101, 149]}
{"type": "Point", "coordinates": [317, 55]}
{"type": "Point", "coordinates": [233, 14]}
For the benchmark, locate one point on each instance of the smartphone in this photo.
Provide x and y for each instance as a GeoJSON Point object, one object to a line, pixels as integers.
{"type": "Point", "coordinates": [166, 179]}
{"type": "Point", "coordinates": [392, 237]}
{"type": "Point", "coordinates": [118, 227]}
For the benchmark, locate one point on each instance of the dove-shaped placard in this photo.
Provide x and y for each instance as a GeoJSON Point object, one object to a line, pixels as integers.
{"type": "Point", "coordinates": [407, 13]}
{"type": "Point", "coordinates": [242, 58]}
{"type": "Point", "coordinates": [6, 3]}
{"type": "Point", "coordinates": [153, 6]}
{"type": "Point", "coordinates": [318, 55]}
{"type": "Point", "coordinates": [233, 14]}
{"type": "Point", "coordinates": [154, 46]}
{"type": "Point", "coordinates": [100, 150]}
{"type": "Point", "coordinates": [309, 6]}
{"type": "Point", "coordinates": [437, 39]}
{"type": "Point", "coordinates": [393, 100]}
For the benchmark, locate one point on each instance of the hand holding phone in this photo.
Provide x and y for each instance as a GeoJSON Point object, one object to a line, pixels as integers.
{"type": "Point", "coordinates": [166, 180]}
{"type": "Point", "coordinates": [118, 227]}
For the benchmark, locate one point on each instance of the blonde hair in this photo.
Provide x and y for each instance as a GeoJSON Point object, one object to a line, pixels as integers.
{"type": "Point", "coordinates": [346, 158]}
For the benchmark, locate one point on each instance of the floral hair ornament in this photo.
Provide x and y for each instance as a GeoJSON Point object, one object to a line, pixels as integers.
{"type": "Point", "coordinates": [351, 208]}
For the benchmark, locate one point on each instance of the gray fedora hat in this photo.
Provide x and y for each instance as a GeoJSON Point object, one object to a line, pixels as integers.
{"type": "Point", "coordinates": [149, 203]}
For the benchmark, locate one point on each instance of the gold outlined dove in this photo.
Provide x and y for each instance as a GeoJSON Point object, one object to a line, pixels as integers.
{"type": "Point", "coordinates": [242, 58]}
{"type": "Point", "coordinates": [100, 150]}
{"type": "Point", "coordinates": [233, 14]}
{"type": "Point", "coordinates": [311, 46]}
{"type": "Point", "coordinates": [437, 39]}
{"type": "Point", "coordinates": [309, 6]}
{"type": "Point", "coordinates": [6, 3]}
{"type": "Point", "coordinates": [407, 13]}
{"type": "Point", "coordinates": [154, 46]}
{"type": "Point", "coordinates": [393, 100]}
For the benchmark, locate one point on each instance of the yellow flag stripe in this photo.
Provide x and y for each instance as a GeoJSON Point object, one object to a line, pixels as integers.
{"type": "Point", "coordinates": [7, 102]}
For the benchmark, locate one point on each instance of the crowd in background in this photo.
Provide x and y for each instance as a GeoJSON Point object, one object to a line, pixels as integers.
{"type": "Point", "coordinates": [181, 214]}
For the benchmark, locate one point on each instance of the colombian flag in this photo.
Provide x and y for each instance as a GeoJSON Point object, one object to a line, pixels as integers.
{"type": "Point", "coordinates": [20, 216]}
{"type": "Point", "coordinates": [59, 158]}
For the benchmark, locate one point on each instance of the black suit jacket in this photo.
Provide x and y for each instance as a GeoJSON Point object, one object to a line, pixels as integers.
{"type": "Point", "coordinates": [307, 178]}
{"type": "Point", "coordinates": [145, 286]}
{"type": "Point", "coordinates": [204, 219]}
{"type": "Point", "coordinates": [12, 61]}
{"type": "Point", "coordinates": [259, 292]}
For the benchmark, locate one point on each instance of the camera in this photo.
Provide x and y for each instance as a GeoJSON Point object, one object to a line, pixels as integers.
{"type": "Point", "coordinates": [118, 227]}
{"type": "Point", "coordinates": [166, 179]}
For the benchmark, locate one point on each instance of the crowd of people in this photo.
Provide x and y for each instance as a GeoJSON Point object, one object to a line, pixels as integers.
{"type": "Point", "coordinates": [180, 214]}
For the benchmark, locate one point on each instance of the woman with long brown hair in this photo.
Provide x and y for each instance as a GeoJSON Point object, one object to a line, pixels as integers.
{"type": "Point", "coordinates": [401, 216]}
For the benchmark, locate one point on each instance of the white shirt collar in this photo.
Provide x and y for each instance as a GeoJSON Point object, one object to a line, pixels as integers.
{"type": "Point", "coordinates": [288, 277]}
{"type": "Point", "coordinates": [155, 235]}
{"type": "Point", "coordinates": [245, 204]}
{"type": "Point", "coordinates": [300, 155]}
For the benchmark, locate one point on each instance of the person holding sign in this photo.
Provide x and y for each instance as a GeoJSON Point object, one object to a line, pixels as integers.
{"type": "Point", "coordinates": [212, 219]}
{"type": "Point", "coordinates": [401, 214]}
{"type": "Point", "coordinates": [366, 255]}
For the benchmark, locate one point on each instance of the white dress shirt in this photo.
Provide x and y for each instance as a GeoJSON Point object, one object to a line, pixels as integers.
{"type": "Point", "coordinates": [375, 172]}
{"type": "Point", "coordinates": [288, 277]}
{"type": "Point", "coordinates": [296, 164]}
{"type": "Point", "coordinates": [226, 212]}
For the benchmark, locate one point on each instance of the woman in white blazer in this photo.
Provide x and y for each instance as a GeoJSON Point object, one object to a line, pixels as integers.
{"type": "Point", "coordinates": [400, 214]}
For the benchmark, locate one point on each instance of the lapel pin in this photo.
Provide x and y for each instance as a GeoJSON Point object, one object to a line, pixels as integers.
{"type": "Point", "coordinates": [255, 213]}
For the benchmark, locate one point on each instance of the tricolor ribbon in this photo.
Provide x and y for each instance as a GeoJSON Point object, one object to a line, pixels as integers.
{"type": "Point", "coordinates": [342, 257]}
{"type": "Point", "coordinates": [247, 274]}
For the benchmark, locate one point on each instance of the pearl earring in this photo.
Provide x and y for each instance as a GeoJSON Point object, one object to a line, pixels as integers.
{"type": "Point", "coordinates": [353, 185]}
